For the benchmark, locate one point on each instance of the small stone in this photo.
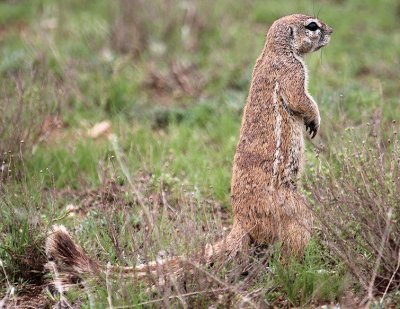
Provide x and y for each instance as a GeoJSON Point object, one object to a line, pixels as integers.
{"type": "Point", "coordinates": [100, 129]}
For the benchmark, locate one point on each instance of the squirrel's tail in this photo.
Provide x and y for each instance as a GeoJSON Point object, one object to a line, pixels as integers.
{"type": "Point", "coordinates": [70, 264]}
{"type": "Point", "coordinates": [67, 261]}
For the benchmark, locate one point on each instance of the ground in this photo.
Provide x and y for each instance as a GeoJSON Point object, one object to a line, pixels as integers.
{"type": "Point", "coordinates": [119, 120]}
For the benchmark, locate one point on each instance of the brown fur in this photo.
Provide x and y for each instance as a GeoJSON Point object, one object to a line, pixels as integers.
{"type": "Point", "coordinates": [269, 157]}
{"type": "Point", "coordinates": [267, 206]}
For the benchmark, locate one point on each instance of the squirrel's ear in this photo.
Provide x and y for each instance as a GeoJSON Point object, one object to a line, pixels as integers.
{"type": "Point", "coordinates": [290, 31]}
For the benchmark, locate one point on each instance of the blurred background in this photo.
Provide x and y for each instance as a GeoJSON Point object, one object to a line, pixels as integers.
{"type": "Point", "coordinates": [73, 64]}
{"type": "Point", "coordinates": [160, 86]}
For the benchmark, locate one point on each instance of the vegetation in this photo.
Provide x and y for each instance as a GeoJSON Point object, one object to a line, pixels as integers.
{"type": "Point", "coordinates": [171, 78]}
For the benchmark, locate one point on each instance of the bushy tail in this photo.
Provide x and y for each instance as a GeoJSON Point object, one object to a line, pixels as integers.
{"type": "Point", "coordinates": [70, 264]}
{"type": "Point", "coordinates": [66, 260]}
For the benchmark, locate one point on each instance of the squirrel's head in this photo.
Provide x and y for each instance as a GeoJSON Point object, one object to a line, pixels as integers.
{"type": "Point", "coordinates": [301, 33]}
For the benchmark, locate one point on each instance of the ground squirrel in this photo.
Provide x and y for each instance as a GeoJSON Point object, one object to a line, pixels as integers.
{"type": "Point", "coordinates": [269, 157]}
{"type": "Point", "coordinates": [266, 204]}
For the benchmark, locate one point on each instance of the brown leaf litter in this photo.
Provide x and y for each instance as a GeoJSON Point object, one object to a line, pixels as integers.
{"type": "Point", "coordinates": [180, 80]}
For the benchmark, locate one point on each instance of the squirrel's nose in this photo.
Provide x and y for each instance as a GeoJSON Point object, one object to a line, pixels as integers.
{"type": "Point", "coordinates": [329, 30]}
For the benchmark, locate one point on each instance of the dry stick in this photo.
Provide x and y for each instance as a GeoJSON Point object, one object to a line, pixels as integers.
{"type": "Point", "coordinates": [181, 299]}
{"type": "Point", "coordinates": [232, 288]}
{"type": "Point", "coordinates": [159, 300]}
{"type": "Point", "coordinates": [359, 243]}
{"type": "Point", "coordinates": [248, 295]}
{"type": "Point", "coordinates": [89, 294]}
{"type": "Point", "coordinates": [139, 197]}
{"type": "Point", "coordinates": [378, 261]}
{"type": "Point", "coordinates": [10, 290]}
{"type": "Point", "coordinates": [345, 257]}
{"type": "Point", "coordinates": [4, 300]}
{"type": "Point", "coordinates": [59, 286]}
{"type": "Point", "coordinates": [391, 278]}
{"type": "Point", "coordinates": [108, 285]}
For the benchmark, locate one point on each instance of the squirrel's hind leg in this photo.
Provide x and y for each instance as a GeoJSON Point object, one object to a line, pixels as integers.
{"type": "Point", "coordinates": [295, 231]}
{"type": "Point", "coordinates": [235, 245]}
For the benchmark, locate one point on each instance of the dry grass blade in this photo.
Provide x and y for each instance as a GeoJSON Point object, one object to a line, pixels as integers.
{"type": "Point", "coordinates": [356, 201]}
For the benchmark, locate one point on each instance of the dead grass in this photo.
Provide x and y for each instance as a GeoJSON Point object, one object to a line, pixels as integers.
{"type": "Point", "coordinates": [357, 202]}
{"type": "Point", "coordinates": [177, 24]}
{"type": "Point", "coordinates": [28, 114]}
{"type": "Point", "coordinates": [169, 54]}
{"type": "Point", "coordinates": [180, 81]}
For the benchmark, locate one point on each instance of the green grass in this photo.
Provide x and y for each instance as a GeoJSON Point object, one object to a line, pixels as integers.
{"type": "Point", "coordinates": [174, 142]}
{"type": "Point", "coordinates": [312, 280]}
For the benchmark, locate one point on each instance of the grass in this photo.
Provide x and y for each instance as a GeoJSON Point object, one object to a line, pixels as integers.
{"type": "Point", "coordinates": [175, 109]}
{"type": "Point", "coordinates": [313, 279]}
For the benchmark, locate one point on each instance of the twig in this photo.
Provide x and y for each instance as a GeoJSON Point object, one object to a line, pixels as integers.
{"type": "Point", "coordinates": [158, 300]}
{"type": "Point", "coordinates": [232, 288]}
{"type": "Point", "coordinates": [108, 285]}
{"type": "Point", "coordinates": [391, 278]}
{"type": "Point", "coordinates": [58, 285]}
{"type": "Point", "coordinates": [125, 171]}
{"type": "Point", "coordinates": [10, 290]}
{"type": "Point", "coordinates": [378, 261]}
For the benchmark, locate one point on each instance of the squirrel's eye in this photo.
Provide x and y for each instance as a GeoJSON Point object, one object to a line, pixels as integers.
{"type": "Point", "coordinates": [312, 26]}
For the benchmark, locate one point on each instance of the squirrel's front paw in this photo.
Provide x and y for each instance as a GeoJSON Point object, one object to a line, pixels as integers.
{"type": "Point", "coordinates": [312, 127]}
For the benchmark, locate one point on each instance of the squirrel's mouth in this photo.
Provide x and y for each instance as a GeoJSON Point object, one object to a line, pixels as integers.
{"type": "Point", "coordinates": [325, 40]}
